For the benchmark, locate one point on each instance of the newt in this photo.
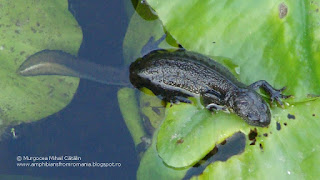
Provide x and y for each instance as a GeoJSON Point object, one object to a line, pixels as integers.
{"type": "Point", "coordinates": [180, 74]}
{"type": "Point", "coordinates": [172, 75]}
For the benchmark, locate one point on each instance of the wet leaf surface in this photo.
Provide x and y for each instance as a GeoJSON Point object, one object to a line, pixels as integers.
{"type": "Point", "coordinates": [28, 27]}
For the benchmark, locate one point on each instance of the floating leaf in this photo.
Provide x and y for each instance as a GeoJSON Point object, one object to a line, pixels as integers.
{"type": "Point", "coordinates": [188, 134]}
{"type": "Point", "coordinates": [130, 112]}
{"type": "Point", "coordinates": [292, 152]}
{"type": "Point", "coordinates": [269, 40]}
{"type": "Point", "coordinates": [26, 27]}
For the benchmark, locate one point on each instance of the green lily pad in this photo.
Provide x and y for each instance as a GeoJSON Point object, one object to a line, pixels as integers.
{"type": "Point", "coordinates": [275, 41]}
{"type": "Point", "coordinates": [286, 149]}
{"type": "Point", "coordinates": [28, 27]}
{"type": "Point", "coordinates": [289, 153]}
{"type": "Point", "coordinates": [190, 133]}
{"type": "Point", "coordinates": [130, 113]}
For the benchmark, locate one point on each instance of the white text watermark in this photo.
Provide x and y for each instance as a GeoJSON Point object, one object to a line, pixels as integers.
{"type": "Point", "coordinates": [60, 161]}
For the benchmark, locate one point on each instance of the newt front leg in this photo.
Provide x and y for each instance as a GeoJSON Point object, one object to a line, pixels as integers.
{"type": "Point", "coordinates": [275, 94]}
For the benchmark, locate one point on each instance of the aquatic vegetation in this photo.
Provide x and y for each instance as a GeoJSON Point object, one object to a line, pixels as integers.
{"type": "Point", "coordinates": [28, 27]}
{"type": "Point", "coordinates": [273, 41]}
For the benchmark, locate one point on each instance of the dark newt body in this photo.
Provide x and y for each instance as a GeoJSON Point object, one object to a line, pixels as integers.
{"type": "Point", "coordinates": [172, 75]}
{"type": "Point", "coordinates": [181, 74]}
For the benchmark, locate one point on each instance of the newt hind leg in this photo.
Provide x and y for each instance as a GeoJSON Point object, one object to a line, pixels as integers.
{"type": "Point", "coordinates": [213, 100]}
{"type": "Point", "coordinates": [178, 99]}
{"type": "Point", "coordinates": [275, 94]}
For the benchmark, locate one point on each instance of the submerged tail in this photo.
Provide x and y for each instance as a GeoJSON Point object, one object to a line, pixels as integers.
{"type": "Point", "coordinates": [55, 62]}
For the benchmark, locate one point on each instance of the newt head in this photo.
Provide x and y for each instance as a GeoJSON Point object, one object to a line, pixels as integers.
{"type": "Point", "coordinates": [250, 106]}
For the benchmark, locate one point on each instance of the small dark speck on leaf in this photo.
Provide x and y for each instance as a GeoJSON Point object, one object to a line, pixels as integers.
{"type": "Point", "coordinates": [180, 141]}
{"type": "Point", "coordinates": [285, 124]}
{"type": "Point", "coordinates": [290, 116]}
{"type": "Point", "coordinates": [261, 147]}
{"type": "Point", "coordinates": [283, 10]}
{"type": "Point", "coordinates": [252, 134]}
{"type": "Point", "coordinates": [213, 42]}
{"type": "Point", "coordinates": [313, 115]}
{"type": "Point", "coordinates": [265, 134]}
{"type": "Point", "coordinates": [278, 126]}
{"type": "Point", "coordinates": [317, 10]}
